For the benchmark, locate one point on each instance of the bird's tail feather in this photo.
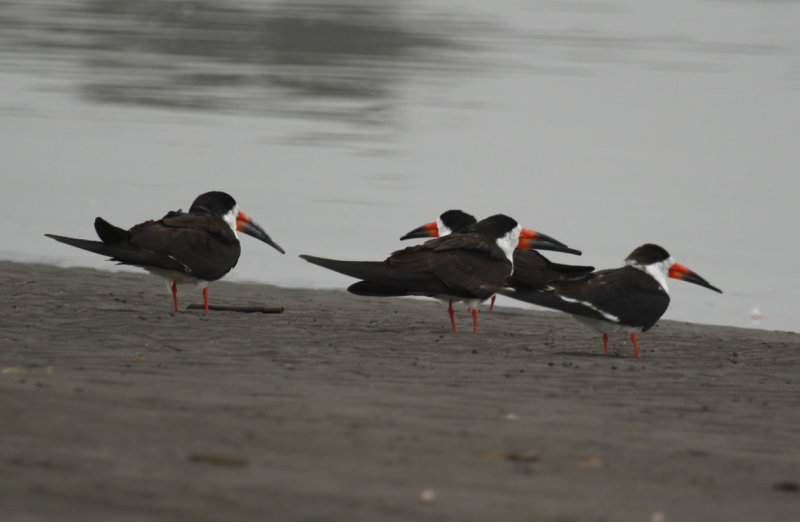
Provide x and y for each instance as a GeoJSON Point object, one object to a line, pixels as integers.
{"type": "Point", "coordinates": [109, 233]}
{"type": "Point", "coordinates": [97, 247]}
{"type": "Point", "coordinates": [381, 274]}
{"type": "Point", "coordinates": [124, 253]}
{"type": "Point", "coordinates": [372, 288]}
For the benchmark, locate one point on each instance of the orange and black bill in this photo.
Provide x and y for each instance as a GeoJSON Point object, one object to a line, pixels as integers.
{"type": "Point", "coordinates": [678, 271]}
{"type": "Point", "coordinates": [536, 240]}
{"type": "Point", "coordinates": [427, 230]}
{"type": "Point", "coordinates": [251, 228]}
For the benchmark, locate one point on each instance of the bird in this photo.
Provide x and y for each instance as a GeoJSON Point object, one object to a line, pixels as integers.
{"type": "Point", "coordinates": [196, 247]}
{"type": "Point", "coordinates": [628, 299]}
{"type": "Point", "coordinates": [468, 266]}
{"type": "Point", "coordinates": [531, 269]}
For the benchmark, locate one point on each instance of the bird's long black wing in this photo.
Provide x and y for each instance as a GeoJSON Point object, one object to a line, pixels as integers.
{"type": "Point", "coordinates": [473, 242]}
{"type": "Point", "coordinates": [384, 279]}
{"type": "Point", "coordinates": [424, 270]}
{"type": "Point", "coordinates": [601, 295]}
{"type": "Point", "coordinates": [123, 252]}
{"type": "Point", "coordinates": [533, 270]}
{"type": "Point", "coordinates": [470, 271]}
{"type": "Point", "coordinates": [469, 265]}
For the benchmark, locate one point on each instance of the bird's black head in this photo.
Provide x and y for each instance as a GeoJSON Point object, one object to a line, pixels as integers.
{"type": "Point", "coordinates": [648, 254]}
{"type": "Point", "coordinates": [655, 260]}
{"type": "Point", "coordinates": [449, 222]}
{"type": "Point", "coordinates": [217, 203]}
{"type": "Point", "coordinates": [495, 226]}
{"type": "Point", "coordinates": [455, 220]}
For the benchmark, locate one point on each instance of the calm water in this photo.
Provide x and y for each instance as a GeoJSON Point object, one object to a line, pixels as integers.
{"type": "Point", "coordinates": [341, 125]}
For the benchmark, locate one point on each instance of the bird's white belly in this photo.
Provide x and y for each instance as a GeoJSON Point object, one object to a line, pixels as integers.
{"type": "Point", "coordinates": [177, 277]}
{"type": "Point", "coordinates": [470, 303]}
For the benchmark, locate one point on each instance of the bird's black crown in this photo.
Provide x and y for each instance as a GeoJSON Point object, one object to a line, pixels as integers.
{"type": "Point", "coordinates": [496, 226]}
{"type": "Point", "coordinates": [455, 220]}
{"type": "Point", "coordinates": [648, 254]}
{"type": "Point", "coordinates": [218, 203]}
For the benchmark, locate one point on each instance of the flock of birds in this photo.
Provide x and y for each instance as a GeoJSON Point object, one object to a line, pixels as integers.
{"type": "Point", "coordinates": [464, 260]}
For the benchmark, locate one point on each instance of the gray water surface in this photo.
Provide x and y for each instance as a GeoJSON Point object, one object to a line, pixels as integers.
{"type": "Point", "coordinates": [341, 125]}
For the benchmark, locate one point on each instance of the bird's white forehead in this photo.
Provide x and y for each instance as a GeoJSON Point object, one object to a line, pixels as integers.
{"type": "Point", "coordinates": [508, 243]}
{"type": "Point", "coordinates": [230, 218]}
{"type": "Point", "coordinates": [442, 228]}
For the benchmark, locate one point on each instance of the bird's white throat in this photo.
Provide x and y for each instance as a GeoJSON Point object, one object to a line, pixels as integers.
{"type": "Point", "coordinates": [658, 271]}
{"type": "Point", "coordinates": [442, 228]}
{"type": "Point", "coordinates": [230, 218]}
{"type": "Point", "coordinates": [508, 243]}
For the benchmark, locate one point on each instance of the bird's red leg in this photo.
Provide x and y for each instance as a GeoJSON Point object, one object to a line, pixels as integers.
{"type": "Point", "coordinates": [605, 343]}
{"type": "Point", "coordinates": [635, 345]}
{"type": "Point", "coordinates": [452, 317]}
{"type": "Point", "coordinates": [175, 295]}
{"type": "Point", "coordinates": [205, 297]}
{"type": "Point", "coordinates": [475, 319]}
{"type": "Point", "coordinates": [491, 305]}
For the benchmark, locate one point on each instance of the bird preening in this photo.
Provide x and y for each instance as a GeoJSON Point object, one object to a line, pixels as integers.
{"type": "Point", "coordinates": [463, 259]}
{"type": "Point", "coordinates": [195, 247]}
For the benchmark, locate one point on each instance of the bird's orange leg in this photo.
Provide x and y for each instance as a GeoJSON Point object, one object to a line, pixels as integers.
{"type": "Point", "coordinates": [452, 317]}
{"type": "Point", "coordinates": [205, 298]}
{"type": "Point", "coordinates": [605, 343]}
{"type": "Point", "coordinates": [475, 319]}
{"type": "Point", "coordinates": [175, 295]}
{"type": "Point", "coordinates": [635, 345]}
{"type": "Point", "coordinates": [491, 305]}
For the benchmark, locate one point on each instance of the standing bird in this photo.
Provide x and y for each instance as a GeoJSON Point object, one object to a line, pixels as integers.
{"type": "Point", "coordinates": [198, 246]}
{"type": "Point", "coordinates": [629, 299]}
{"type": "Point", "coordinates": [468, 266]}
{"type": "Point", "coordinates": [531, 269]}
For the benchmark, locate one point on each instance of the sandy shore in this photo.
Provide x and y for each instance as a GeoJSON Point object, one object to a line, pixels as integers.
{"type": "Point", "coordinates": [350, 408]}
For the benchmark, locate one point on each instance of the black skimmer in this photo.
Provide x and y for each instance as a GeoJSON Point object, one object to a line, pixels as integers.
{"type": "Point", "coordinates": [531, 268]}
{"type": "Point", "coordinates": [468, 266]}
{"type": "Point", "coordinates": [629, 299]}
{"type": "Point", "coordinates": [197, 247]}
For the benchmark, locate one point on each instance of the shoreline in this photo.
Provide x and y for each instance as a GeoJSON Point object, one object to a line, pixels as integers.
{"type": "Point", "coordinates": [351, 408]}
{"type": "Point", "coordinates": [740, 317]}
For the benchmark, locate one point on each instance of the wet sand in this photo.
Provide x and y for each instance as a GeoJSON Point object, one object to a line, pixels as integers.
{"type": "Point", "coordinates": [348, 408]}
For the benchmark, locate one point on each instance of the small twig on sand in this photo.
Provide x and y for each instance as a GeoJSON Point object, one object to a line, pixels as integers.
{"type": "Point", "coordinates": [245, 309]}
